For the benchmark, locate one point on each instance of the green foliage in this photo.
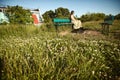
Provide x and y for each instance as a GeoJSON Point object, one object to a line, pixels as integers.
{"type": "Point", "coordinates": [65, 13]}
{"type": "Point", "coordinates": [48, 16]}
{"type": "Point", "coordinates": [17, 14]}
{"type": "Point", "coordinates": [92, 17]}
{"type": "Point", "coordinates": [62, 12]}
{"type": "Point", "coordinates": [117, 17]}
{"type": "Point", "coordinates": [17, 30]}
{"type": "Point", "coordinates": [92, 25]}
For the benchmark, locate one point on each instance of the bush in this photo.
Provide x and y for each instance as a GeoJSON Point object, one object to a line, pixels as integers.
{"type": "Point", "coordinates": [117, 17]}
{"type": "Point", "coordinates": [92, 17]}
{"type": "Point", "coordinates": [18, 15]}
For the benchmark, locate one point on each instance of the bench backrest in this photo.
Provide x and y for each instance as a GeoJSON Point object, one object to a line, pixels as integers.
{"type": "Point", "coordinates": [61, 20]}
{"type": "Point", "coordinates": [109, 20]}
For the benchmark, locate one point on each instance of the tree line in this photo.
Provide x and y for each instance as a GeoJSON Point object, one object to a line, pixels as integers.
{"type": "Point", "coordinates": [65, 13]}
{"type": "Point", "coordinates": [18, 14]}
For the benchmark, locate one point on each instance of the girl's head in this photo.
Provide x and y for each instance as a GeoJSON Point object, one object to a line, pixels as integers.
{"type": "Point", "coordinates": [72, 12]}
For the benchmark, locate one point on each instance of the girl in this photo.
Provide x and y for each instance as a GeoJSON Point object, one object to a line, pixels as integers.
{"type": "Point", "coordinates": [77, 23]}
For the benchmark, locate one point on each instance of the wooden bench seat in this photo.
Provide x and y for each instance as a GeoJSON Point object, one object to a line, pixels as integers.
{"type": "Point", "coordinates": [62, 22]}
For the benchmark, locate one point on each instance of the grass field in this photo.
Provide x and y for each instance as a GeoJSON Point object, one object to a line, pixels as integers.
{"type": "Point", "coordinates": [39, 53]}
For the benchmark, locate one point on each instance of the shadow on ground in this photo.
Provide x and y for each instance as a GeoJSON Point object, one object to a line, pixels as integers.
{"type": "Point", "coordinates": [86, 31]}
{"type": "Point", "coordinates": [78, 30]}
{"type": "Point", "coordinates": [116, 35]}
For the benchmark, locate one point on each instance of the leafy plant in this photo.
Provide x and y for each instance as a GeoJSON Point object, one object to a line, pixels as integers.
{"type": "Point", "coordinates": [17, 14]}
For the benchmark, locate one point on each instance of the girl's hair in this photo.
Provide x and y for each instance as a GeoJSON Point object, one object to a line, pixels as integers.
{"type": "Point", "coordinates": [71, 12]}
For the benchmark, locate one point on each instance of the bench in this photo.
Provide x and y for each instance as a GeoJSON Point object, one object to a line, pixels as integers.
{"type": "Point", "coordinates": [105, 25]}
{"type": "Point", "coordinates": [62, 22]}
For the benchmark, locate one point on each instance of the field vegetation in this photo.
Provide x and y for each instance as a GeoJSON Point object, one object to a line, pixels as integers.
{"type": "Point", "coordinates": [28, 52]}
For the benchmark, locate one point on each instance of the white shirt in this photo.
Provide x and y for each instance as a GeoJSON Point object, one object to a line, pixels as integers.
{"type": "Point", "coordinates": [73, 18]}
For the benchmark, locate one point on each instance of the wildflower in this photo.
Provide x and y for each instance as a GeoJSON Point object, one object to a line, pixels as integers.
{"type": "Point", "coordinates": [93, 72]}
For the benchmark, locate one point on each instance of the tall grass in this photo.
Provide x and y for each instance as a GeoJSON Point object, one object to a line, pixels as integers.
{"type": "Point", "coordinates": [17, 30]}
{"type": "Point", "coordinates": [114, 30]}
{"type": "Point", "coordinates": [95, 25]}
{"type": "Point", "coordinates": [29, 53]}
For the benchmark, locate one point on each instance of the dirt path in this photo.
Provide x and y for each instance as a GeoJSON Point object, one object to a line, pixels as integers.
{"type": "Point", "coordinates": [85, 32]}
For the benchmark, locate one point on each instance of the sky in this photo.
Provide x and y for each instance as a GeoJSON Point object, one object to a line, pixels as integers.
{"type": "Point", "coordinates": [79, 6]}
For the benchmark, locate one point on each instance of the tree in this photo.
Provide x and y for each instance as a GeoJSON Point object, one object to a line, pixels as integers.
{"type": "Point", "coordinates": [48, 16]}
{"type": "Point", "coordinates": [17, 14]}
{"type": "Point", "coordinates": [62, 12]}
{"type": "Point", "coordinates": [59, 13]}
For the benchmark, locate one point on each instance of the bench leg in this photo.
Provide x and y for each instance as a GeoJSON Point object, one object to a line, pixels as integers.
{"type": "Point", "coordinates": [56, 28]}
{"type": "Point", "coordinates": [107, 29]}
{"type": "Point", "coordinates": [103, 28]}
